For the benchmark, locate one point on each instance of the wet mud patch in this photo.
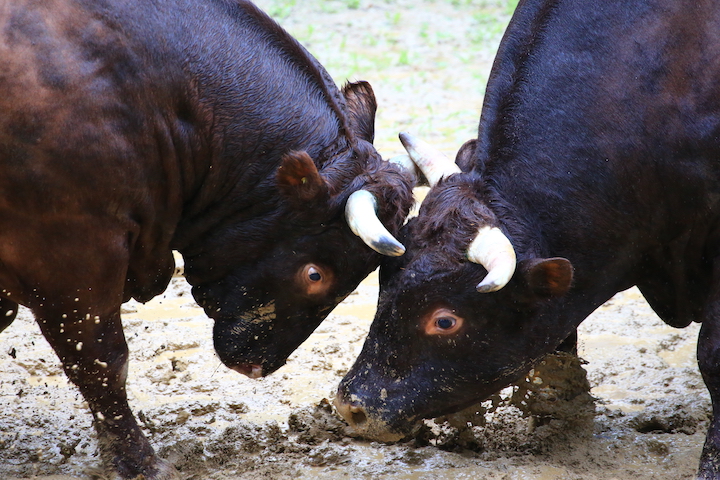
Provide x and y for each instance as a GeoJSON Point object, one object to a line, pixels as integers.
{"type": "Point", "coordinates": [313, 436]}
{"type": "Point", "coordinates": [680, 415]}
{"type": "Point", "coordinates": [552, 405]}
{"type": "Point", "coordinates": [314, 425]}
{"type": "Point", "coordinates": [525, 419]}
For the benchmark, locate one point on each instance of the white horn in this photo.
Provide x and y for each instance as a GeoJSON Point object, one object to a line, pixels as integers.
{"type": "Point", "coordinates": [406, 163]}
{"type": "Point", "coordinates": [432, 162]}
{"type": "Point", "coordinates": [361, 215]}
{"type": "Point", "coordinates": [492, 249]}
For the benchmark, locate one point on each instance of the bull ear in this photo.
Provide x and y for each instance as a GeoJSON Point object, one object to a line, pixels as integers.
{"type": "Point", "coordinates": [548, 277]}
{"type": "Point", "coordinates": [361, 106]}
{"type": "Point", "coordinates": [299, 179]}
{"type": "Point", "coordinates": [465, 158]}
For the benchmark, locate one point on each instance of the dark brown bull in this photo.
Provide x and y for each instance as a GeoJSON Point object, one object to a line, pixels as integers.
{"type": "Point", "coordinates": [132, 128]}
{"type": "Point", "coordinates": [596, 168]}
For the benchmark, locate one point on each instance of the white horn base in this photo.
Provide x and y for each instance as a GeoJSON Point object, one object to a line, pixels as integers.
{"type": "Point", "coordinates": [432, 162]}
{"type": "Point", "coordinates": [492, 249]}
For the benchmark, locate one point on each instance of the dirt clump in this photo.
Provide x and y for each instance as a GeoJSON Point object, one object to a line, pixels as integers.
{"type": "Point", "coordinates": [552, 405]}
{"type": "Point", "coordinates": [318, 424]}
{"type": "Point", "coordinates": [556, 394]}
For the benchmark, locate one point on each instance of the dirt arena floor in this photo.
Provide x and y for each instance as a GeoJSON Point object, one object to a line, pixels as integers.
{"type": "Point", "coordinates": [428, 62]}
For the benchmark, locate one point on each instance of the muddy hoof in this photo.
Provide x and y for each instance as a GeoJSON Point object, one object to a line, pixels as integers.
{"type": "Point", "coordinates": [164, 471]}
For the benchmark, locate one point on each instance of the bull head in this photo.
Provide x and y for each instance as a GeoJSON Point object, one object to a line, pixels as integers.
{"type": "Point", "coordinates": [490, 248]}
{"type": "Point", "coordinates": [299, 178]}
{"type": "Point", "coordinates": [296, 263]}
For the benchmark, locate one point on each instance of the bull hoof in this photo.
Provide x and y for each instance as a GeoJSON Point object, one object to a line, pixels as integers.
{"type": "Point", "coordinates": [164, 470]}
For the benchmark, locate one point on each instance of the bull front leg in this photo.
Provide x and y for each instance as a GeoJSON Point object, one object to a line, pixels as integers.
{"type": "Point", "coordinates": [708, 354]}
{"type": "Point", "coordinates": [94, 355]}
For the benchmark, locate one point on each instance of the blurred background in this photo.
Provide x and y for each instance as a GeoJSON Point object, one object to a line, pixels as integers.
{"type": "Point", "coordinates": [427, 60]}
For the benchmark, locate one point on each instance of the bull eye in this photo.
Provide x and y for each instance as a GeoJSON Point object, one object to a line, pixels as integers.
{"type": "Point", "coordinates": [314, 275]}
{"type": "Point", "coordinates": [442, 321]}
{"type": "Point", "coordinates": [445, 323]}
{"type": "Point", "coordinates": [314, 279]}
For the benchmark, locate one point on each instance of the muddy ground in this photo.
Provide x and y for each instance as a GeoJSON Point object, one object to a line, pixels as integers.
{"type": "Point", "coordinates": [428, 62]}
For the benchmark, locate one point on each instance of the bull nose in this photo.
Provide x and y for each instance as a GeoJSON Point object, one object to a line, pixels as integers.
{"type": "Point", "coordinates": [252, 370]}
{"type": "Point", "coordinates": [353, 414]}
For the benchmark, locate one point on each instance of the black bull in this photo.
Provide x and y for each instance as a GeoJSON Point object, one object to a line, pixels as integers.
{"type": "Point", "coordinates": [598, 157]}
{"type": "Point", "coordinates": [132, 128]}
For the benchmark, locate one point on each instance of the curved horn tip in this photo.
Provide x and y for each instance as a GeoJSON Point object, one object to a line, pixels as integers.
{"type": "Point", "coordinates": [489, 286]}
{"type": "Point", "coordinates": [405, 137]}
{"type": "Point", "coordinates": [412, 144]}
{"type": "Point", "coordinates": [409, 140]}
{"type": "Point", "coordinates": [495, 280]}
{"type": "Point", "coordinates": [361, 216]}
{"type": "Point", "coordinates": [429, 160]}
{"type": "Point", "coordinates": [388, 246]}
{"type": "Point", "coordinates": [493, 250]}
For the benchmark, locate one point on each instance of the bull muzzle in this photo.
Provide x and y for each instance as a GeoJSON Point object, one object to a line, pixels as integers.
{"type": "Point", "coordinates": [251, 370]}
{"type": "Point", "coordinates": [363, 424]}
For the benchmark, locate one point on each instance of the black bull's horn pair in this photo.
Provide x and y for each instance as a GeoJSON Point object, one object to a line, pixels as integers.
{"type": "Point", "coordinates": [490, 248]}
{"type": "Point", "coordinates": [361, 207]}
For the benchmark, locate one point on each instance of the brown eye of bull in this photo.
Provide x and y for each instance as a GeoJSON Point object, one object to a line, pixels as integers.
{"type": "Point", "coordinates": [442, 322]}
{"type": "Point", "coordinates": [314, 275]}
{"type": "Point", "coordinates": [314, 279]}
{"type": "Point", "coordinates": [445, 323]}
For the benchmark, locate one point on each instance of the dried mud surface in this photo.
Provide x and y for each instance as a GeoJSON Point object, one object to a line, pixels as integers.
{"type": "Point", "coordinates": [643, 417]}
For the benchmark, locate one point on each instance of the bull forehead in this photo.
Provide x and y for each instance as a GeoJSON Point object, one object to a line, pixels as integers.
{"type": "Point", "coordinates": [414, 293]}
{"type": "Point", "coordinates": [435, 266]}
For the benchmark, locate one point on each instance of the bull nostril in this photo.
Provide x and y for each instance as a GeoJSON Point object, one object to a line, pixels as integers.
{"type": "Point", "coordinates": [358, 415]}
{"type": "Point", "coordinates": [353, 414]}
